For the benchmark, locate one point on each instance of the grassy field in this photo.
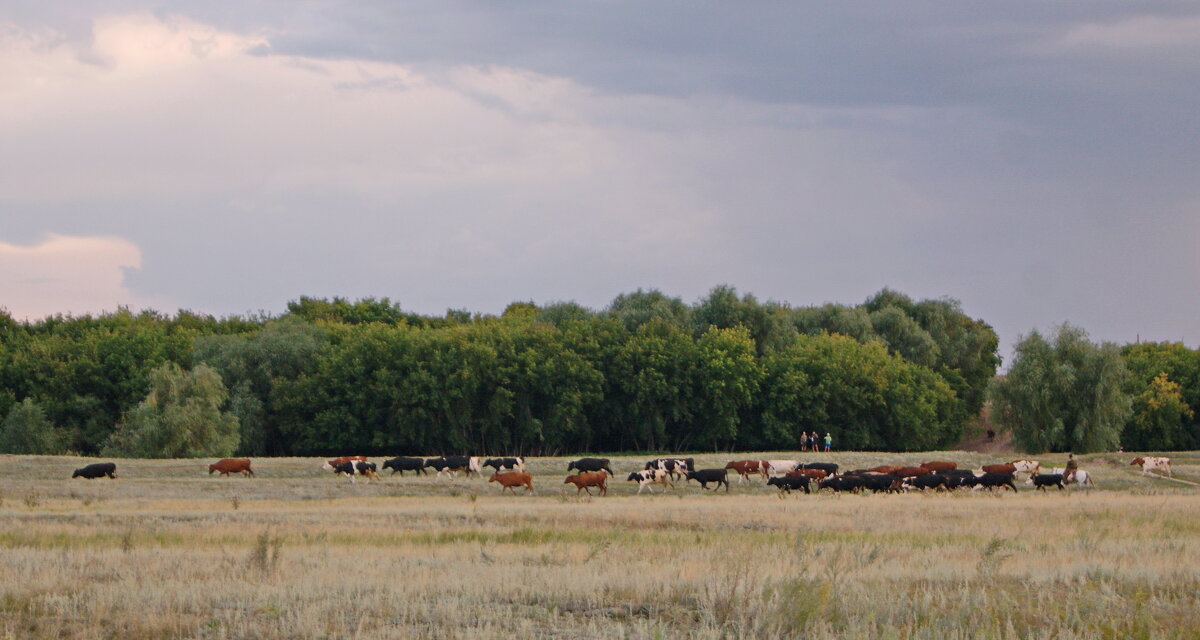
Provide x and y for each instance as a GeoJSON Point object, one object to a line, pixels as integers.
{"type": "Point", "coordinates": [168, 551]}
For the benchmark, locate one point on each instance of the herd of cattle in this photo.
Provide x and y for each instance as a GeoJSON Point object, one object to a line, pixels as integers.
{"type": "Point", "coordinates": [786, 475]}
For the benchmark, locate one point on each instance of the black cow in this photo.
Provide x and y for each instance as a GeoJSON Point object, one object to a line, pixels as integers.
{"type": "Point", "coordinates": [451, 465]}
{"type": "Point", "coordinates": [829, 467]}
{"type": "Point", "coordinates": [97, 470]}
{"type": "Point", "coordinates": [403, 464]}
{"type": "Point", "coordinates": [585, 465]}
{"type": "Point", "coordinates": [842, 483]}
{"type": "Point", "coordinates": [992, 480]}
{"type": "Point", "coordinates": [499, 464]}
{"type": "Point", "coordinates": [880, 482]}
{"type": "Point", "coordinates": [1043, 480]}
{"type": "Point", "coordinates": [356, 468]}
{"type": "Point", "coordinates": [705, 476]}
{"type": "Point", "coordinates": [957, 473]}
{"type": "Point", "coordinates": [787, 484]}
{"type": "Point", "coordinates": [927, 481]}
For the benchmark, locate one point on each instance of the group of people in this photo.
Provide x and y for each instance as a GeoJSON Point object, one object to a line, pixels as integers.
{"type": "Point", "coordinates": [812, 441]}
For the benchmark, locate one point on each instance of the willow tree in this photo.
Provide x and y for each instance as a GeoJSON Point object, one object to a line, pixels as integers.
{"type": "Point", "coordinates": [1064, 393]}
{"type": "Point", "coordinates": [181, 417]}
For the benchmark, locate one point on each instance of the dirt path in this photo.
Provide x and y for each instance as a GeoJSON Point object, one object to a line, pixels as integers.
{"type": "Point", "coordinates": [975, 438]}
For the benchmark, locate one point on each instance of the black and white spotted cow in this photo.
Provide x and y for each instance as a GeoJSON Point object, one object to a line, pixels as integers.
{"type": "Point", "coordinates": [649, 477]}
{"type": "Point", "coordinates": [354, 468]}
{"type": "Point", "coordinates": [505, 464]}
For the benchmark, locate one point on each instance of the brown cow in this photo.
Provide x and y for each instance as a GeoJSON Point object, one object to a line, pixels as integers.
{"type": "Point", "coordinates": [910, 472]}
{"type": "Point", "coordinates": [330, 465]}
{"type": "Point", "coordinates": [513, 479]}
{"type": "Point", "coordinates": [814, 474]}
{"type": "Point", "coordinates": [1007, 467]}
{"type": "Point", "coordinates": [231, 465]}
{"type": "Point", "coordinates": [885, 468]}
{"type": "Point", "coordinates": [584, 482]}
{"type": "Point", "coordinates": [941, 467]}
{"type": "Point", "coordinates": [747, 467]}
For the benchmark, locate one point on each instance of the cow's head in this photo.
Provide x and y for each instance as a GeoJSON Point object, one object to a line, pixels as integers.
{"type": "Point", "coordinates": [1138, 461]}
{"type": "Point", "coordinates": [636, 475]}
{"type": "Point", "coordinates": [211, 469]}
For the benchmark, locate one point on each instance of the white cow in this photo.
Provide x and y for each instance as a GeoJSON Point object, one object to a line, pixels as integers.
{"type": "Point", "coordinates": [1150, 463]}
{"type": "Point", "coordinates": [1032, 467]}
{"type": "Point", "coordinates": [780, 467]}
{"type": "Point", "coordinates": [650, 477]}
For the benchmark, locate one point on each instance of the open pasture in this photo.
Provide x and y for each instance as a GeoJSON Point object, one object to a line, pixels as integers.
{"type": "Point", "coordinates": [168, 551]}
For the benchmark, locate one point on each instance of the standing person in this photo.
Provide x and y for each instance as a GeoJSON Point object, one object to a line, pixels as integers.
{"type": "Point", "coordinates": [815, 441]}
{"type": "Point", "coordinates": [828, 441]}
{"type": "Point", "coordinates": [804, 441]}
{"type": "Point", "coordinates": [1072, 467]}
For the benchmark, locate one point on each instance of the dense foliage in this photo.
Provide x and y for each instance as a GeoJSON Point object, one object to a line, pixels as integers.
{"type": "Point", "coordinates": [1064, 393]}
{"type": "Point", "coordinates": [1164, 381]}
{"type": "Point", "coordinates": [649, 372]}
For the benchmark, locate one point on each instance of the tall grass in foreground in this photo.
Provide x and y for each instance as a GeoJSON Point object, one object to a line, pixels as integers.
{"type": "Point", "coordinates": [170, 558]}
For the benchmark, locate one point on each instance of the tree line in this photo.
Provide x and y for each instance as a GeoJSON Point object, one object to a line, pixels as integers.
{"type": "Point", "coordinates": [647, 372]}
{"type": "Point", "coordinates": [1064, 392]}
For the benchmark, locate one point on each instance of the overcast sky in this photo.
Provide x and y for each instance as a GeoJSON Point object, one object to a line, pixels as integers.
{"type": "Point", "coordinates": [1037, 161]}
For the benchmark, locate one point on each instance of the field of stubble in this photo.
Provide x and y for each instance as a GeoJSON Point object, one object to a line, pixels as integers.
{"type": "Point", "coordinates": [166, 551]}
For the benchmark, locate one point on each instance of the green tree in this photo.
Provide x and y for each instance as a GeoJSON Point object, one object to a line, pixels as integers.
{"type": "Point", "coordinates": [640, 307]}
{"type": "Point", "coordinates": [1181, 365]}
{"type": "Point", "coordinates": [727, 377]}
{"type": "Point", "coordinates": [27, 430]}
{"type": "Point", "coordinates": [1063, 394]}
{"type": "Point", "coordinates": [181, 417]}
{"type": "Point", "coordinates": [1161, 418]}
{"type": "Point", "coordinates": [252, 365]}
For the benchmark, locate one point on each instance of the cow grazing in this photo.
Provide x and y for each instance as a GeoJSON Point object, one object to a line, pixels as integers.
{"type": "Point", "coordinates": [402, 464]}
{"type": "Point", "coordinates": [231, 465]}
{"type": "Point", "coordinates": [831, 468]}
{"type": "Point", "coordinates": [353, 468]}
{"type": "Point", "coordinates": [513, 479]}
{"type": "Point", "coordinates": [991, 480]}
{"type": "Point", "coordinates": [747, 467]}
{"type": "Point", "coordinates": [585, 481]}
{"type": "Point", "coordinates": [1007, 467]}
{"type": "Point", "coordinates": [780, 467]}
{"type": "Point", "coordinates": [1043, 480]}
{"type": "Point", "coordinates": [789, 483]}
{"type": "Point", "coordinates": [332, 464]}
{"type": "Point", "coordinates": [1151, 463]}
{"type": "Point", "coordinates": [587, 465]}
{"type": "Point", "coordinates": [97, 470]}
{"type": "Point", "coordinates": [648, 477]}
{"type": "Point", "coordinates": [940, 466]}
{"type": "Point", "coordinates": [705, 476]}
{"type": "Point", "coordinates": [811, 474]}
{"type": "Point", "coordinates": [501, 464]}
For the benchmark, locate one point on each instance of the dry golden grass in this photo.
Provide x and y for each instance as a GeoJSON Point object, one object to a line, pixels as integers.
{"type": "Point", "coordinates": [167, 551]}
